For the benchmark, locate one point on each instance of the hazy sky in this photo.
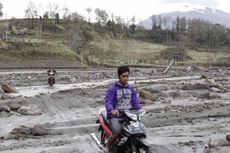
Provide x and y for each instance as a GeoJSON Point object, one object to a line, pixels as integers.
{"type": "Point", "coordinates": [141, 9]}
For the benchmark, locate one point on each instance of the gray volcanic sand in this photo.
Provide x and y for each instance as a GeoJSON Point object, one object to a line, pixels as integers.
{"type": "Point", "coordinates": [187, 111]}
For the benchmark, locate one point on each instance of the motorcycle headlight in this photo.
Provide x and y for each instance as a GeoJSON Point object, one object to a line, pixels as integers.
{"type": "Point", "coordinates": [132, 116]}
{"type": "Point", "coordinates": [141, 115]}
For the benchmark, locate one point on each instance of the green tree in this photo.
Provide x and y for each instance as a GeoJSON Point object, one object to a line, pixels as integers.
{"type": "Point", "coordinates": [132, 28]}
{"type": "Point", "coordinates": [183, 24]}
{"type": "Point", "coordinates": [57, 18]}
{"type": "Point", "coordinates": [160, 21]}
{"type": "Point", "coordinates": [203, 33]}
{"type": "Point", "coordinates": [154, 22]}
{"type": "Point", "coordinates": [178, 24]}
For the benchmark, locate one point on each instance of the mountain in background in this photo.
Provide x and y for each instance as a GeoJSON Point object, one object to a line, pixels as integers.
{"type": "Point", "coordinates": [212, 15]}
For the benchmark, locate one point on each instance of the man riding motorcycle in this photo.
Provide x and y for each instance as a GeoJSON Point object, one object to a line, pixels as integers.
{"type": "Point", "coordinates": [51, 72]}
{"type": "Point", "coordinates": [51, 76]}
{"type": "Point", "coordinates": [121, 96]}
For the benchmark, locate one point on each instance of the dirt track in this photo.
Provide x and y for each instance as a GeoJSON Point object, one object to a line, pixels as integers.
{"type": "Point", "coordinates": [185, 115]}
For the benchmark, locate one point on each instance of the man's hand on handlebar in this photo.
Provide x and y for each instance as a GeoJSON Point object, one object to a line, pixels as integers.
{"type": "Point", "coordinates": [115, 112]}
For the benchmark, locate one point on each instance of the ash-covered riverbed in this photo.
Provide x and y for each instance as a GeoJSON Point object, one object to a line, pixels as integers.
{"type": "Point", "coordinates": [185, 110]}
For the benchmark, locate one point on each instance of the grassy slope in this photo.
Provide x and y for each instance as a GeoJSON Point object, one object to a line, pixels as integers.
{"type": "Point", "coordinates": [38, 53]}
{"type": "Point", "coordinates": [126, 51]}
{"type": "Point", "coordinates": [207, 57]}
{"type": "Point", "coordinates": [110, 51]}
{"type": "Point", "coordinates": [97, 48]}
{"type": "Point", "coordinates": [137, 52]}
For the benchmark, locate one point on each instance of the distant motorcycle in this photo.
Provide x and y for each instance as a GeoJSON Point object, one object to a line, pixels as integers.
{"type": "Point", "coordinates": [51, 81]}
{"type": "Point", "coordinates": [132, 136]}
{"type": "Point", "coordinates": [51, 77]}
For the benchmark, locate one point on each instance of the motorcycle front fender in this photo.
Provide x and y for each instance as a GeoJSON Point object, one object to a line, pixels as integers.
{"type": "Point", "coordinates": [141, 142]}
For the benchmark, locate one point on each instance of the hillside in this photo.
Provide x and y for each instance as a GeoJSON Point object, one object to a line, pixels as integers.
{"type": "Point", "coordinates": [80, 45]}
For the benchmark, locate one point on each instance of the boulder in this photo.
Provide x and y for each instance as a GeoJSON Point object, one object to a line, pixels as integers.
{"type": "Point", "coordinates": [218, 143]}
{"type": "Point", "coordinates": [156, 88]}
{"type": "Point", "coordinates": [8, 88]}
{"type": "Point", "coordinates": [4, 114]}
{"type": "Point", "coordinates": [214, 89]}
{"type": "Point", "coordinates": [196, 86]}
{"type": "Point", "coordinates": [175, 94]}
{"type": "Point", "coordinates": [29, 110]}
{"type": "Point", "coordinates": [3, 109]}
{"type": "Point", "coordinates": [14, 106]}
{"type": "Point", "coordinates": [39, 130]}
{"type": "Point", "coordinates": [208, 95]}
{"type": "Point", "coordinates": [147, 95]}
{"type": "Point", "coordinates": [21, 130]}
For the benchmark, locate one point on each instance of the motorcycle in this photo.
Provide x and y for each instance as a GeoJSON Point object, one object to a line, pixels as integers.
{"type": "Point", "coordinates": [51, 78]}
{"type": "Point", "coordinates": [132, 136]}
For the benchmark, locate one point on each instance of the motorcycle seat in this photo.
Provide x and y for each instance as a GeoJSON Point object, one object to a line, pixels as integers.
{"type": "Point", "coordinates": [104, 115]}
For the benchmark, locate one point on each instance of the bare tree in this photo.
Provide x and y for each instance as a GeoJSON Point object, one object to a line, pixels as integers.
{"type": "Point", "coordinates": [76, 17]}
{"type": "Point", "coordinates": [112, 17]}
{"type": "Point", "coordinates": [119, 23]}
{"type": "Point", "coordinates": [66, 15]}
{"type": "Point", "coordinates": [89, 10]}
{"type": "Point", "coordinates": [101, 16]}
{"type": "Point", "coordinates": [119, 20]}
{"type": "Point", "coordinates": [133, 19]}
{"type": "Point", "coordinates": [31, 11]}
{"type": "Point", "coordinates": [53, 9]}
{"type": "Point", "coordinates": [1, 6]}
{"type": "Point", "coordinates": [160, 21]}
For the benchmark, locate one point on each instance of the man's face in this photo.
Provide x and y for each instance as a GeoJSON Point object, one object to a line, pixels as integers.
{"type": "Point", "coordinates": [123, 78]}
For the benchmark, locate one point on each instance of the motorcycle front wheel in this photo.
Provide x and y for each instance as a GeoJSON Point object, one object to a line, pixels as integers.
{"type": "Point", "coordinates": [143, 150]}
{"type": "Point", "coordinates": [51, 81]}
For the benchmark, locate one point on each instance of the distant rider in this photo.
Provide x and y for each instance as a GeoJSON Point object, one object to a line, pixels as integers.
{"type": "Point", "coordinates": [51, 72]}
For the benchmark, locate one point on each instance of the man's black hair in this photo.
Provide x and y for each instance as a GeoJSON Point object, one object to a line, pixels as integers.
{"type": "Point", "coordinates": [122, 69]}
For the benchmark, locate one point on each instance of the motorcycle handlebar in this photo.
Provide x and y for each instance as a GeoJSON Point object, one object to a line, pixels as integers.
{"type": "Point", "coordinates": [122, 112]}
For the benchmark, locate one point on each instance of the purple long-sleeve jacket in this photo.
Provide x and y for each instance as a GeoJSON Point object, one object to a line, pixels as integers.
{"type": "Point", "coordinates": [121, 97]}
